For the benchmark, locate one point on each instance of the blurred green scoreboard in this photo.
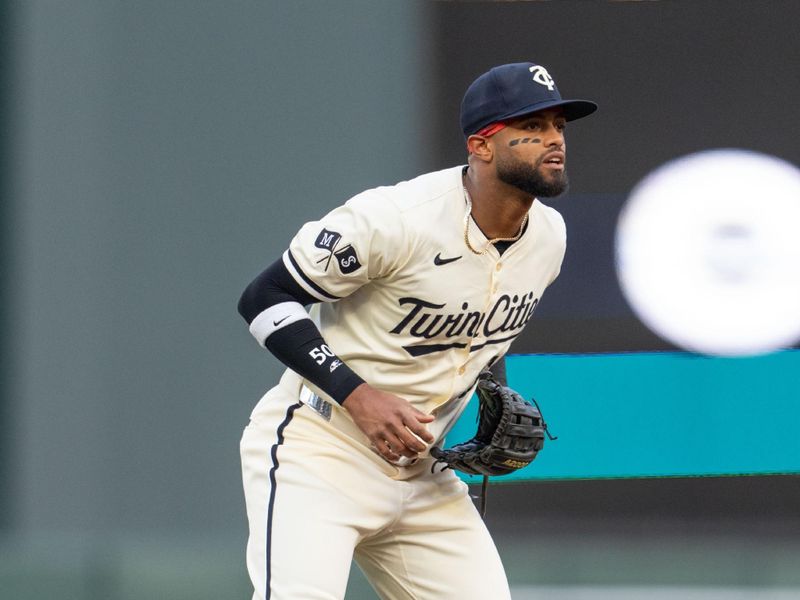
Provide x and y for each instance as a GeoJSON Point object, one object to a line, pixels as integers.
{"type": "Point", "coordinates": [657, 414]}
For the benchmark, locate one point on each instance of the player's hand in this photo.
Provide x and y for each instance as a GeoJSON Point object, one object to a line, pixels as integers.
{"type": "Point", "coordinates": [394, 427]}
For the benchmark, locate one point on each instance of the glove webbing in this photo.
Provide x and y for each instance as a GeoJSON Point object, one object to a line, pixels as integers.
{"type": "Point", "coordinates": [485, 480]}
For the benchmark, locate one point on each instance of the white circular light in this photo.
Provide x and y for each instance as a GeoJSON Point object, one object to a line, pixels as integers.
{"type": "Point", "coordinates": [708, 252]}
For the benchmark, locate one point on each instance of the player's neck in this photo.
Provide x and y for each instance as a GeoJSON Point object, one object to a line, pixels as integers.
{"type": "Point", "coordinates": [497, 208]}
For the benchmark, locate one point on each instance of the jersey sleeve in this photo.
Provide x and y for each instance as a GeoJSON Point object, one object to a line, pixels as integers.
{"type": "Point", "coordinates": [362, 240]}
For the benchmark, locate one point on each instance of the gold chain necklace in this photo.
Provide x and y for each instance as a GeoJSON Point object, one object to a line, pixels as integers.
{"type": "Point", "coordinates": [493, 241]}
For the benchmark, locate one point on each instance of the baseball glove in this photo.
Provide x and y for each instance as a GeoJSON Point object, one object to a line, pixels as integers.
{"type": "Point", "coordinates": [510, 433]}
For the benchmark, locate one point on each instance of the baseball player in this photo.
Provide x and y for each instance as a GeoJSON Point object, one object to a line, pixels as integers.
{"type": "Point", "coordinates": [413, 290]}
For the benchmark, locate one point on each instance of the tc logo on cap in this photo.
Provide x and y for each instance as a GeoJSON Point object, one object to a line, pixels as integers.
{"type": "Point", "coordinates": [540, 75]}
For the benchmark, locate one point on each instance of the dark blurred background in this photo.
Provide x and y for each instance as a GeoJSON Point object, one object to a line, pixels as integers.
{"type": "Point", "coordinates": [155, 156]}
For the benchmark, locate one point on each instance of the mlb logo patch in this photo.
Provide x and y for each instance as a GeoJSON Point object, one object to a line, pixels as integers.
{"type": "Point", "coordinates": [347, 259]}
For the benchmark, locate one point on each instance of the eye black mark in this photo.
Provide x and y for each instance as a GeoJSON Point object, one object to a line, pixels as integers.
{"type": "Point", "coordinates": [524, 141]}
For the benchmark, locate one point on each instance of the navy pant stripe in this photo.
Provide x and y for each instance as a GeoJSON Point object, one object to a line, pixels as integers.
{"type": "Point", "coordinates": [270, 506]}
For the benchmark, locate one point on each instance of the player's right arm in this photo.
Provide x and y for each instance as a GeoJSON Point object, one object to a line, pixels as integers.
{"type": "Point", "coordinates": [273, 306]}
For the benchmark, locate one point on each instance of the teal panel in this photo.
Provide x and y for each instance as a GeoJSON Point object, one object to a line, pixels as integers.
{"type": "Point", "coordinates": [658, 414]}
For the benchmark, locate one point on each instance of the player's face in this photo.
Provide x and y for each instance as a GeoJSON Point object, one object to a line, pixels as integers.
{"type": "Point", "coordinates": [531, 154]}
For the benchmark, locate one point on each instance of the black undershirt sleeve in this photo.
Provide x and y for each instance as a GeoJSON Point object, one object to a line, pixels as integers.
{"type": "Point", "coordinates": [273, 285]}
{"type": "Point", "coordinates": [498, 369]}
{"type": "Point", "coordinates": [299, 345]}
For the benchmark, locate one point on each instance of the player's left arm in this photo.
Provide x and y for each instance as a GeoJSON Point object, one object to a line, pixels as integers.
{"type": "Point", "coordinates": [498, 369]}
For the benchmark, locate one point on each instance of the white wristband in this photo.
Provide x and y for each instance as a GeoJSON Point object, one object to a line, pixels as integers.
{"type": "Point", "coordinates": [275, 317]}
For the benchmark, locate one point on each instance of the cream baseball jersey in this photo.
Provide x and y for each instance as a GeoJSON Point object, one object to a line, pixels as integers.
{"type": "Point", "coordinates": [405, 303]}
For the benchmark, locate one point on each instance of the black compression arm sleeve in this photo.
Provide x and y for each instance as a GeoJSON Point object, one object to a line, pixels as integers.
{"type": "Point", "coordinates": [273, 285]}
{"type": "Point", "coordinates": [299, 345]}
{"type": "Point", "coordinates": [498, 369]}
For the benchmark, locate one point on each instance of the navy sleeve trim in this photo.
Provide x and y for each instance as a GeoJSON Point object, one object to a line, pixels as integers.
{"type": "Point", "coordinates": [274, 285]}
{"type": "Point", "coordinates": [305, 281]}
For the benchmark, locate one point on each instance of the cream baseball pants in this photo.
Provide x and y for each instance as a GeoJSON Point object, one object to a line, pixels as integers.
{"type": "Point", "coordinates": [316, 498]}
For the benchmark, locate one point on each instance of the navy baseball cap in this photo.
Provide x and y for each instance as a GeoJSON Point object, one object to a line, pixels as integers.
{"type": "Point", "coordinates": [513, 90]}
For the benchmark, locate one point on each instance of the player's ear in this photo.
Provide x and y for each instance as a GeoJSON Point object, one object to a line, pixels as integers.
{"type": "Point", "coordinates": [479, 146]}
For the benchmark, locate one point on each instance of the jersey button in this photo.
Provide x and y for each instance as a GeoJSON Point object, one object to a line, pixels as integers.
{"type": "Point", "coordinates": [498, 266]}
{"type": "Point", "coordinates": [461, 370]}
